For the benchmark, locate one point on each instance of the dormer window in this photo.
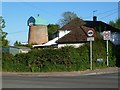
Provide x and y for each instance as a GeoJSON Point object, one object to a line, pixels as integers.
{"type": "Point", "coordinates": [31, 21]}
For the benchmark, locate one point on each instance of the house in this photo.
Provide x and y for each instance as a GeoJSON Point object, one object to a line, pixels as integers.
{"type": "Point", "coordinates": [75, 33]}
{"type": "Point", "coordinates": [71, 34]}
{"type": "Point", "coordinates": [16, 50]}
{"type": "Point", "coordinates": [77, 36]}
{"type": "Point", "coordinates": [101, 26]}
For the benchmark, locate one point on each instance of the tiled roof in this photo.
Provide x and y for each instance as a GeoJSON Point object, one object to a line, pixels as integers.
{"type": "Point", "coordinates": [78, 32]}
{"type": "Point", "coordinates": [74, 24]}
{"type": "Point", "coordinates": [74, 37]}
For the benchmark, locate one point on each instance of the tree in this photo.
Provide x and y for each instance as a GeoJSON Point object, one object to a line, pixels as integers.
{"type": "Point", "coordinates": [67, 17]}
{"type": "Point", "coordinates": [112, 23]}
{"type": "Point", "coordinates": [17, 43]}
{"type": "Point", "coordinates": [51, 29]}
{"type": "Point", "coordinates": [115, 24]}
{"type": "Point", "coordinates": [118, 23]}
{"type": "Point", "coordinates": [3, 34]}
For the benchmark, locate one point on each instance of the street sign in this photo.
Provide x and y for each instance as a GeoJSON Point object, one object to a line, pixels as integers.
{"type": "Point", "coordinates": [90, 38]}
{"type": "Point", "coordinates": [100, 60]}
{"type": "Point", "coordinates": [90, 33]}
{"type": "Point", "coordinates": [106, 35]}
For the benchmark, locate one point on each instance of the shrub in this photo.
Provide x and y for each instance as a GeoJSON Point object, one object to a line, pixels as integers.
{"type": "Point", "coordinates": [21, 58]}
{"type": "Point", "coordinates": [64, 59]}
{"type": "Point", "coordinates": [9, 63]}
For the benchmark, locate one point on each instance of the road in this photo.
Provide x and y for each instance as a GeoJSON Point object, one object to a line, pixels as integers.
{"type": "Point", "coordinates": [87, 81]}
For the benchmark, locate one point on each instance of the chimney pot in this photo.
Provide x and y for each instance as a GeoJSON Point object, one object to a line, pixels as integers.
{"type": "Point", "coordinates": [94, 18]}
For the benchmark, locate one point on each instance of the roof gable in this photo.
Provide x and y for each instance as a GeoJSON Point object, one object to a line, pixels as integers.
{"type": "Point", "coordinates": [78, 32]}
{"type": "Point", "coordinates": [74, 37]}
{"type": "Point", "coordinates": [78, 36]}
{"type": "Point", "coordinates": [73, 24]}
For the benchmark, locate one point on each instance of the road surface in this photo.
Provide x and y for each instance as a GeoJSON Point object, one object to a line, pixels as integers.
{"type": "Point", "coordinates": [87, 81]}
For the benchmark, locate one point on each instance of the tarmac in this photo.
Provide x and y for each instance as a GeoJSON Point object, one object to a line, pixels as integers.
{"type": "Point", "coordinates": [73, 73]}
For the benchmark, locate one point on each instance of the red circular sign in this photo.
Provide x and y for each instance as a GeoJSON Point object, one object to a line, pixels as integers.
{"type": "Point", "coordinates": [90, 33]}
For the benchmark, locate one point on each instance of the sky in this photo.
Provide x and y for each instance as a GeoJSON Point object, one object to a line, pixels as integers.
{"type": "Point", "coordinates": [16, 14]}
{"type": "Point", "coordinates": [119, 9]}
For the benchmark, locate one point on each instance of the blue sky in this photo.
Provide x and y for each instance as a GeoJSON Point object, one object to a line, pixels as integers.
{"type": "Point", "coordinates": [16, 14]}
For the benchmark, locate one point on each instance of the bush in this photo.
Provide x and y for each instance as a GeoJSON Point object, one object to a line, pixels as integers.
{"type": "Point", "coordinates": [99, 51]}
{"type": "Point", "coordinates": [21, 58]}
{"type": "Point", "coordinates": [10, 63]}
{"type": "Point", "coordinates": [116, 50]}
{"type": "Point", "coordinates": [63, 59]}
{"type": "Point", "coordinates": [7, 57]}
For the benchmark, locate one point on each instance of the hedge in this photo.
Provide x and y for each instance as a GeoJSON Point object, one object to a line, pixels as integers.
{"type": "Point", "coordinates": [63, 59]}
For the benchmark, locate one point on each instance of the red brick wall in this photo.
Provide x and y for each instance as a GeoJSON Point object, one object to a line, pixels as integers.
{"type": "Point", "coordinates": [38, 34]}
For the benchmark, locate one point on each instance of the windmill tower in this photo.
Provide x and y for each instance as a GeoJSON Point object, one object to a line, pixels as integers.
{"type": "Point", "coordinates": [38, 33]}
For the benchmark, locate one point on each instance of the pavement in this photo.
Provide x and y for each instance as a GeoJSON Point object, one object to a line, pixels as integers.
{"type": "Point", "coordinates": [73, 73]}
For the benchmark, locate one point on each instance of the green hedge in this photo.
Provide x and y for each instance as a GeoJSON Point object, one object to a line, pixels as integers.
{"type": "Point", "coordinates": [63, 59]}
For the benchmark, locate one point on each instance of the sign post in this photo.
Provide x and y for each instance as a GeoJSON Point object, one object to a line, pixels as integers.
{"type": "Point", "coordinates": [91, 55]}
{"type": "Point", "coordinates": [106, 36]}
{"type": "Point", "coordinates": [90, 38]}
{"type": "Point", "coordinates": [107, 52]}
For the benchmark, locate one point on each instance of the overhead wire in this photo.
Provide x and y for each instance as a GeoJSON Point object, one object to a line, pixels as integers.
{"type": "Point", "coordinates": [109, 15]}
{"type": "Point", "coordinates": [32, 6]}
{"type": "Point", "coordinates": [108, 11]}
{"type": "Point", "coordinates": [36, 7]}
{"type": "Point", "coordinates": [17, 32]}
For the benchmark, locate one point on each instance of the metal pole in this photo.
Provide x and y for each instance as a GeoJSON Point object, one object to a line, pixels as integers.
{"type": "Point", "coordinates": [91, 55]}
{"type": "Point", "coordinates": [107, 52]}
{"type": "Point", "coordinates": [94, 12]}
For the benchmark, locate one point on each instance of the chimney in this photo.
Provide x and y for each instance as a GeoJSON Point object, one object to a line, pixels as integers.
{"type": "Point", "coordinates": [94, 18]}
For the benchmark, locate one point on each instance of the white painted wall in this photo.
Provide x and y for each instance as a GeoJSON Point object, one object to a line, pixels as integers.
{"type": "Point", "coordinates": [76, 45]}
{"type": "Point", "coordinates": [63, 33]}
